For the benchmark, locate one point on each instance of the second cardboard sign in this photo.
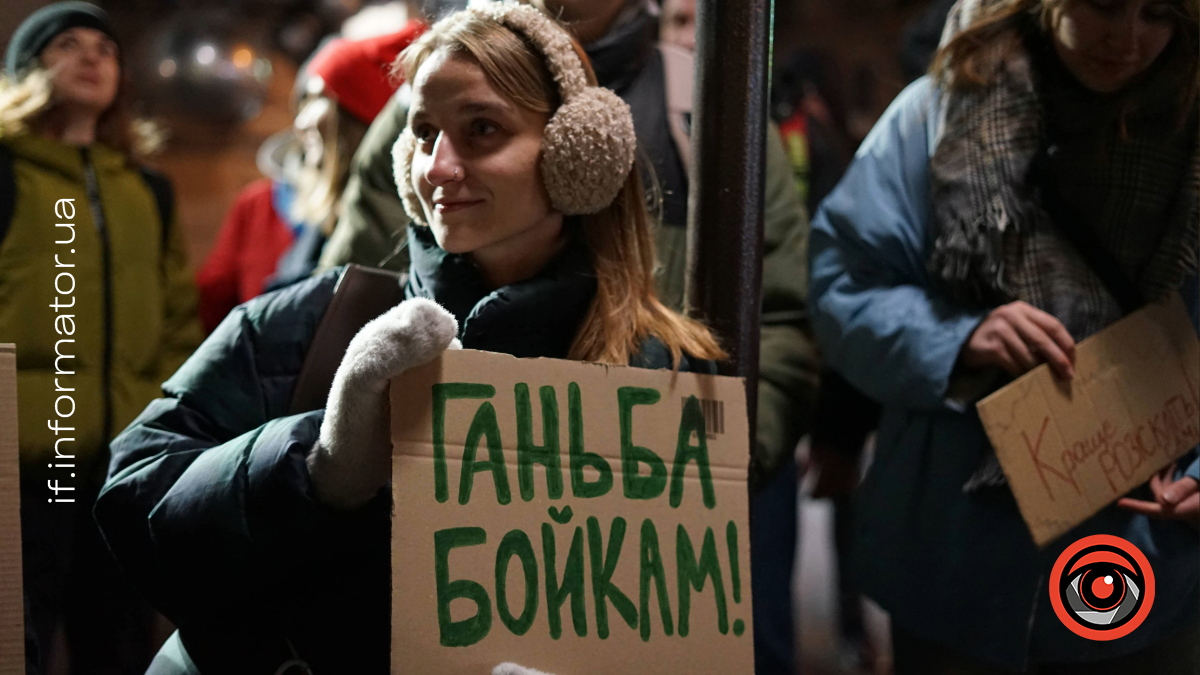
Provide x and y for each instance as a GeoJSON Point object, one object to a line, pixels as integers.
{"type": "Point", "coordinates": [1070, 448]}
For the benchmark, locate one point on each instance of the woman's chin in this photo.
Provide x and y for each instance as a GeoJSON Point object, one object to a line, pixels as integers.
{"type": "Point", "coordinates": [451, 238]}
{"type": "Point", "coordinates": [88, 99]}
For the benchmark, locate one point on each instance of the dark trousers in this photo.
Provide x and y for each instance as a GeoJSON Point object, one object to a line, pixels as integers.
{"type": "Point", "coordinates": [850, 614]}
{"type": "Point", "coordinates": [772, 555]}
{"type": "Point", "coordinates": [71, 579]}
{"type": "Point", "coordinates": [1177, 654]}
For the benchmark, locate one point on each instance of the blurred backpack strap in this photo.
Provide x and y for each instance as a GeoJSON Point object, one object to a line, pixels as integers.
{"type": "Point", "coordinates": [164, 198]}
{"type": "Point", "coordinates": [8, 191]}
{"type": "Point", "coordinates": [361, 294]}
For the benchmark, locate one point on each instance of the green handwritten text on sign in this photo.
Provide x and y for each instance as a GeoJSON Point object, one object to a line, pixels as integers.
{"type": "Point", "coordinates": [652, 587]}
{"type": "Point", "coordinates": [485, 426]}
{"type": "Point", "coordinates": [573, 517]}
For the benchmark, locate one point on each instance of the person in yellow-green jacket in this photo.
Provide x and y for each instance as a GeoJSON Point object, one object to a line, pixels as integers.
{"type": "Point", "coordinates": [96, 295]}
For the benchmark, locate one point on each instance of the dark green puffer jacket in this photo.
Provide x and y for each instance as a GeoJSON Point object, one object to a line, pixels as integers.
{"type": "Point", "coordinates": [208, 504]}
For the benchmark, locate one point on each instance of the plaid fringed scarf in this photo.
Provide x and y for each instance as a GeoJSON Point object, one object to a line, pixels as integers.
{"type": "Point", "coordinates": [993, 242]}
{"type": "Point", "coordinates": [1135, 190]}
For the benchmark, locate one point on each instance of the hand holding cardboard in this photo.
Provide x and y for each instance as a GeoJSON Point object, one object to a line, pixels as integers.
{"type": "Point", "coordinates": [352, 458]}
{"type": "Point", "coordinates": [1072, 447]}
{"type": "Point", "coordinates": [514, 669]}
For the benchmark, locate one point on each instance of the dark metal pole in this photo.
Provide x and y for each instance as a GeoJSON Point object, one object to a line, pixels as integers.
{"type": "Point", "coordinates": [725, 209]}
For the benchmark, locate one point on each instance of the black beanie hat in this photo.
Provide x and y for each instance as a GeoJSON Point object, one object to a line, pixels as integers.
{"type": "Point", "coordinates": [42, 26]}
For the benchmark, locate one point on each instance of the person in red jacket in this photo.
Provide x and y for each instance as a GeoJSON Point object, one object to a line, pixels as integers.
{"type": "Point", "coordinates": [252, 239]}
{"type": "Point", "coordinates": [345, 85]}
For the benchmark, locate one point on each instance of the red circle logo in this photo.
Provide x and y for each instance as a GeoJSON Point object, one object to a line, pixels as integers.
{"type": "Point", "coordinates": [1102, 587]}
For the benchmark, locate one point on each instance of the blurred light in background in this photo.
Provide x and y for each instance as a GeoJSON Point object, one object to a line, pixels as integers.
{"type": "Point", "coordinates": [207, 66]}
{"type": "Point", "coordinates": [206, 54]}
{"type": "Point", "coordinates": [208, 62]}
{"type": "Point", "coordinates": [243, 57]}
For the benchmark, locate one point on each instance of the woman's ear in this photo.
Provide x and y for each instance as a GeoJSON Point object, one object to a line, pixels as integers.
{"type": "Point", "coordinates": [402, 155]}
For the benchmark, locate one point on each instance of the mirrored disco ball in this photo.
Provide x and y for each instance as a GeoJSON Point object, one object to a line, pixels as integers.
{"type": "Point", "coordinates": [207, 66]}
{"type": "Point", "coordinates": [436, 9]}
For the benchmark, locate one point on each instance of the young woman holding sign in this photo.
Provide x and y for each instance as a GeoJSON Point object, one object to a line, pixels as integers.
{"type": "Point", "coordinates": [266, 537]}
{"type": "Point", "coordinates": [1038, 186]}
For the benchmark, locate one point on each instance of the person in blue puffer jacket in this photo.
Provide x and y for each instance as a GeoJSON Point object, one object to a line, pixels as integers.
{"type": "Point", "coordinates": [942, 266]}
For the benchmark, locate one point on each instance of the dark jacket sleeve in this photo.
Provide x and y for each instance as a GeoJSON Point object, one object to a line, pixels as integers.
{"type": "Point", "coordinates": [788, 362]}
{"type": "Point", "coordinates": [207, 490]}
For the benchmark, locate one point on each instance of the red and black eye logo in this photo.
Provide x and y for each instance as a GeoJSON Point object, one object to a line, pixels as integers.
{"type": "Point", "coordinates": [1102, 587]}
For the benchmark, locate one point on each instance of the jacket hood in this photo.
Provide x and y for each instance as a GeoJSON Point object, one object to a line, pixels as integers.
{"type": "Point", "coordinates": [621, 53]}
{"type": "Point", "coordinates": [63, 158]}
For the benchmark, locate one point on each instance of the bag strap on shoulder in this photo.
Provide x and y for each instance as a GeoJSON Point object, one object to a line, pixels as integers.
{"type": "Point", "coordinates": [8, 191]}
{"type": "Point", "coordinates": [164, 199]}
{"type": "Point", "coordinates": [362, 294]}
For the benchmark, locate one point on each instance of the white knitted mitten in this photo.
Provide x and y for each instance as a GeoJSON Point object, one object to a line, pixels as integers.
{"type": "Point", "coordinates": [514, 669]}
{"type": "Point", "coordinates": [352, 459]}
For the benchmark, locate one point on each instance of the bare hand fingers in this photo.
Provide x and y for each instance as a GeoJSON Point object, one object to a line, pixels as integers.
{"type": "Point", "coordinates": [1002, 358]}
{"type": "Point", "coordinates": [986, 349]}
{"type": "Point", "coordinates": [1140, 506]}
{"type": "Point", "coordinates": [1158, 483]}
{"type": "Point", "coordinates": [1189, 508]}
{"type": "Point", "coordinates": [1055, 330]}
{"type": "Point", "coordinates": [1176, 492]}
{"type": "Point", "coordinates": [1040, 341]}
{"type": "Point", "coordinates": [1018, 352]}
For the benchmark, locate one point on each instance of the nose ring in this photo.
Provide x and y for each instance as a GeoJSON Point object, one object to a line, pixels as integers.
{"type": "Point", "coordinates": [456, 174]}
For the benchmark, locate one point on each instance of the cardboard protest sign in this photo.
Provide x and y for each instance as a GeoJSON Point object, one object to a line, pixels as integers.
{"type": "Point", "coordinates": [1071, 448]}
{"type": "Point", "coordinates": [12, 606]}
{"type": "Point", "coordinates": [571, 517]}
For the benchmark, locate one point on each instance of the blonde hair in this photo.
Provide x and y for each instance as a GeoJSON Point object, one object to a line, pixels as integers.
{"type": "Point", "coordinates": [319, 188]}
{"type": "Point", "coordinates": [625, 310]}
{"type": "Point", "coordinates": [28, 100]}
